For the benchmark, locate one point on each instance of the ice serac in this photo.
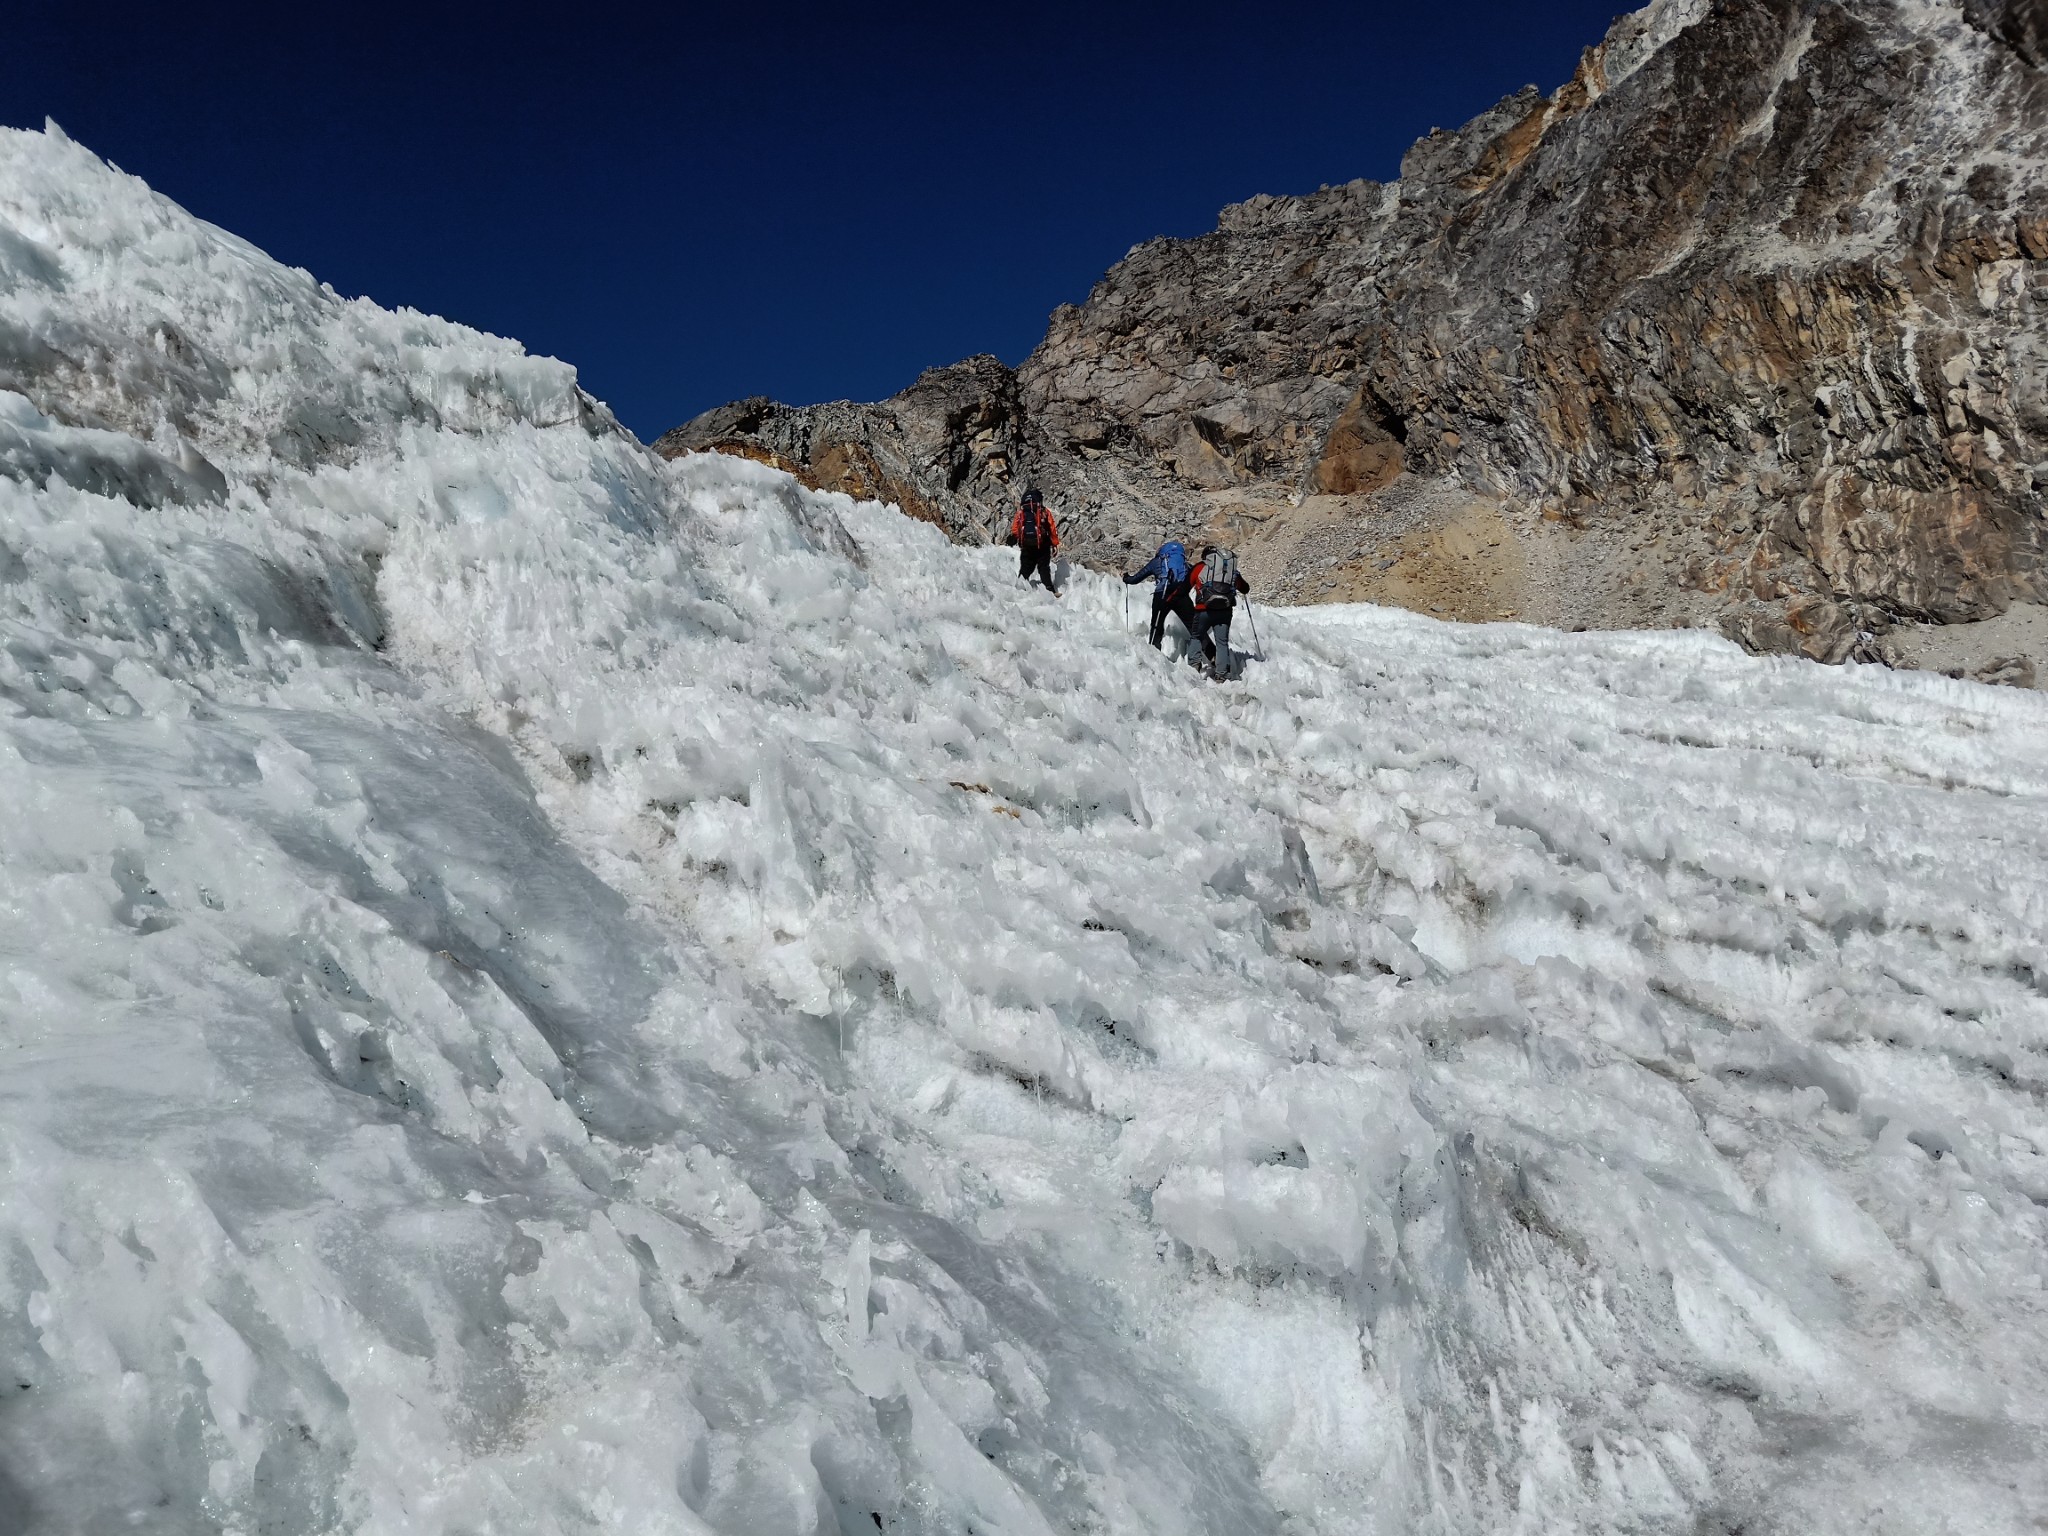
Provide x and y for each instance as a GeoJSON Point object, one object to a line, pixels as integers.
{"type": "Point", "coordinates": [548, 990]}
{"type": "Point", "coordinates": [1742, 325]}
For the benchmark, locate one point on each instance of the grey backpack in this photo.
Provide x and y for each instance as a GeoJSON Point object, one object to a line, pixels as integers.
{"type": "Point", "coordinates": [1219, 578]}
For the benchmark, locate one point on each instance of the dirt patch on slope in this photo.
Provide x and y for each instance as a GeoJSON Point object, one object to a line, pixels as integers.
{"type": "Point", "coordinates": [1433, 547]}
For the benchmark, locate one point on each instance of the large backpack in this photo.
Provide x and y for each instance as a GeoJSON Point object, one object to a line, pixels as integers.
{"type": "Point", "coordinates": [1031, 518]}
{"type": "Point", "coordinates": [1219, 578]}
{"type": "Point", "coordinates": [1173, 562]}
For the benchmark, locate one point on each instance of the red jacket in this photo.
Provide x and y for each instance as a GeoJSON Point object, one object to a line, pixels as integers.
{"type": "Point", "coordinates": [1195, 587]}
{"type": "Point", "coordinates": [1026, 528]}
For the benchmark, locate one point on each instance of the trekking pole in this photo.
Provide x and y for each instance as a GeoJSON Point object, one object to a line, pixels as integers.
{"type": "Point", "coordinates": [1261, 652]}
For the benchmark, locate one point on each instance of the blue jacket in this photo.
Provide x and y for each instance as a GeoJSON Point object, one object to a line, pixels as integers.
{"type": "Point", "coordinates": [1157, 568]}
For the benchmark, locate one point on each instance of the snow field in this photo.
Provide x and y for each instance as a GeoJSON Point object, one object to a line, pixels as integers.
{"type": "Point", "coordinates": [546, 991]}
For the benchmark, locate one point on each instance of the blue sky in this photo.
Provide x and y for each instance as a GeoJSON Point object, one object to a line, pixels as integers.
{"type": "Point", "coordinates": [814, 202]}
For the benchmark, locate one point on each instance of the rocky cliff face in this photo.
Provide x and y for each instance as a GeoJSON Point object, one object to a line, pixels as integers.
{"type": "Point", "coordinates": [1746, 324]}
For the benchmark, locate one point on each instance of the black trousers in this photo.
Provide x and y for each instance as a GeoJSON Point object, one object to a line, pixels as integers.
{"type": "Point", "coordinates": [1039, 556]}
{"type": "Point", "coordinates": [1175, 603]}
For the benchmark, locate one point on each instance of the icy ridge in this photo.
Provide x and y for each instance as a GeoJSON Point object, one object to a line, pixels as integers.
{"type": "Point", "coordinates": [545, 990]}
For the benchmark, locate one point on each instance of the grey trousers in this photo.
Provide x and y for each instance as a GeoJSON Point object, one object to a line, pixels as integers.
{"type": "Point", "coordinates": [1212, 633]}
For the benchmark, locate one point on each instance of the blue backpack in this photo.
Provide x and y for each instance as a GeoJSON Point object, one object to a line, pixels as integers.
{"type": "Point", "coordinates": [1173, 560]}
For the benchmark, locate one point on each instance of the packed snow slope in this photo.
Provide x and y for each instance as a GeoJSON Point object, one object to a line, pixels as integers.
{"type": "Point", "coordinates": [547, 991]}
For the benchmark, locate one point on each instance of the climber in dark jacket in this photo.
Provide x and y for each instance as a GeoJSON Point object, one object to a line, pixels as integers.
{"type": "Point", "coordinates": [1168, 572]}
{"type": "Point", "coordinates": [1036, 536]}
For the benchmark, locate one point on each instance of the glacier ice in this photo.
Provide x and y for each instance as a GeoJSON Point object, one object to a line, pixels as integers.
{"type": "Point", "coordinates": [543, 990]}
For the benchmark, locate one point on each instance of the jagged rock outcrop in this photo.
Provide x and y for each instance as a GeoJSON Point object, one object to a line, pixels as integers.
{"type": "Point", "coordinates": [1746, 324]}
{"type": "Point", "coordinates": [945, 450]}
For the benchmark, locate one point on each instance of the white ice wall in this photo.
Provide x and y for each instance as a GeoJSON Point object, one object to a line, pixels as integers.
{"type": "Point", "coordinates": [541, 990]}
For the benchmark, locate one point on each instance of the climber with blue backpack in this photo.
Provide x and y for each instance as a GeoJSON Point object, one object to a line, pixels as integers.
{"type": "Point", "coordinates": [1168, 572]}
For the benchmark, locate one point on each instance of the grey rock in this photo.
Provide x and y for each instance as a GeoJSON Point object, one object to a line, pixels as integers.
{"type": "Point", "coordinates": [946, 450]}
{"type": "Point", "coordinates": [1745, 325]}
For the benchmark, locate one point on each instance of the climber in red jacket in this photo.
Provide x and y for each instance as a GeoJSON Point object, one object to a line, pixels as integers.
{"type": "Point", "coordinates": [1216, 586]}
{"type": "Point", "coordinates": [1036, 536]}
